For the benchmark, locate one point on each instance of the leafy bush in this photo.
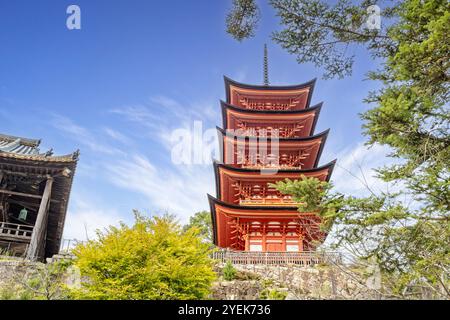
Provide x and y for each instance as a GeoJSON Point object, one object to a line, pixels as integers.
{"type": "Point", "coordinates": [153, 259]}
{"type": "Point", "coordinates": [272, 294]}
{"type": "Point", "coordinates": [229, 272]}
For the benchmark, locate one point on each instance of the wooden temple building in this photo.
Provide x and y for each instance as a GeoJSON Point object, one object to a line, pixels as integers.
{"type": "Point", "coordinates": [34, 195]}
{"type": "Point", "coordinates": [248, 214]}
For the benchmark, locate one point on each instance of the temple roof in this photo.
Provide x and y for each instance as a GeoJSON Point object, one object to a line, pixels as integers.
{"type": "Point", "coordinates": [28, 149]}
{"type": "Point", "coordinates": [226, 176]}
{"type": "Point", "coordinates": [315, 108]}
{"type": "Point", "coordinates": [247, 96]}
{"type": "Point", "coordinates": [308, 116]}
{"type": "Point", "coordinates": [322, 134]}
{"type": "Point", "coordinates": [310, 147]}
{"type": "Point", "coordinates": [326, 168]}
{"type": "Point", "coordinates": [229, 81]}
{"type": "Point", "coordinates": [19, 145]}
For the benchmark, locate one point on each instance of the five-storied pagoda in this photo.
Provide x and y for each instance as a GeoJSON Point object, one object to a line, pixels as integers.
{"type": "Point", "coordinates": [248, 213]}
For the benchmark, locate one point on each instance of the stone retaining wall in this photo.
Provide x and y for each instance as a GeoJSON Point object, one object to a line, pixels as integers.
{"type": "Point", "coordinates": [319, 282]}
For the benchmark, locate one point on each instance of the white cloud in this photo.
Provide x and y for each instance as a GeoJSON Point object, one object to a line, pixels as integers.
{"type": "Point", "coordinates": [240, 75]}
{"type": "Point", "coordinates": [84, 217]}
{"type": "Point", "coordinates": [355, 169]}
{"type": "Point", "coordinates": [181, 191]}
{"type": "Point", "coordinates": [138, 113]}
{"type": "Point", "coordinates": [82, 135]}
{"type": "Point", "coordinates": [116, 135]}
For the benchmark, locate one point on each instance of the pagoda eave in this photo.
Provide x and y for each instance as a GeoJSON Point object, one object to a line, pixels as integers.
{"type": "Point", "coordinates": [229, 178]}
{"type": "Point", "coordinates": [313, 144]}
{"type": "Point", "coordinates": [306, 117]}
{"type": "Point", "coordinates": [274, 92]}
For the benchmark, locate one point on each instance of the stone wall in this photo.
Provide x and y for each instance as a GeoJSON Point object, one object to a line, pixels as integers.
{"type": "Point", "coordinates": [252, 281]}
{"type": "Point", "coordinates": [11, 267]}
{"type": "Point", "coordinates": [318, 282]}
{"type": "Point", "coordinates": [16, 272]}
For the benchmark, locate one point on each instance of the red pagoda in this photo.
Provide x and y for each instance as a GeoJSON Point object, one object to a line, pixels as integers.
{"type": "Point", "coordinates": [248, 213]}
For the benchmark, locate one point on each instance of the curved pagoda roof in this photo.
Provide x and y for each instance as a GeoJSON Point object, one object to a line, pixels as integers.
{"type": "Point", "coordinates": [268, 97]}
{"type": "Point", "coordinates": [305, 119]}
{"type": "Point", "coordinates": [310, 147]}
{"type": "Point", "coordinates": [227, 176]}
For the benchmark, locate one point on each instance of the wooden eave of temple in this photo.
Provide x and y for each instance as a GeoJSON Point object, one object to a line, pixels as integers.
{"type": "Point", "coordinates": [232, 223]}
{"type": "Point", "coordinates": [299, 153]}
{"type": "Point", "coordinates": [27, 178]}
{"type": "Point", "coordinates": [261, 97]}
{"type": "Point", "coordinates": [288, 124]}
{"type": "Point", "coordinates": [252, 186]}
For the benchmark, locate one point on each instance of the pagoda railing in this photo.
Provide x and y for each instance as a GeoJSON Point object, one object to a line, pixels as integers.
{"type": "Point", "coordinates": [14, 231]}
{"type": "Point", "coordinates": [306, 258]}
{"type": "Point", "coordinates": [268, 201]}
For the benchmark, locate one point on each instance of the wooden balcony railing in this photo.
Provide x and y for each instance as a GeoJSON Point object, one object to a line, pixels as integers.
{"type": "Point", "coordinates": [268, 201]}
{"type": "Point", "coordinates": [14, 231]}
{"type": "Point", "coordinates": [278, 258]}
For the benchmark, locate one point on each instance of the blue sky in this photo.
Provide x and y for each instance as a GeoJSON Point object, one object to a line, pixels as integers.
{"type": "Point", "coordinates": [136, 71]}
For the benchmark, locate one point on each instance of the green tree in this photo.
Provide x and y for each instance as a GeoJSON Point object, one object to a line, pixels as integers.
{"type": "Point", "coordinates": [153, 259]}
{"type": "Point", "coordinates": [412, 252]}
{"type": "Point", "coordinates": [202, 221]}
{"type": "Point", "coordinates": [407, 231]}
{"type": "Point", "coordinates": [243, 19]}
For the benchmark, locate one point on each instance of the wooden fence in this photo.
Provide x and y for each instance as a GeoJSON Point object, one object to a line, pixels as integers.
{"type": "Point", "coordinates": [278, 258]}
{"type": "Point", "coordinates": [14, 231]}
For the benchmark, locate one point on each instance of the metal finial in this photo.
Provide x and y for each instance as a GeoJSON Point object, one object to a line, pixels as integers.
{"type": "Point", "coordinates": [266, 66]}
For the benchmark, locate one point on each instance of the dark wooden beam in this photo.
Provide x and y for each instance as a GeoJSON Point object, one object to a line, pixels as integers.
{"type": "Point", "coordinates": [37, 243]}
{"type": "Point", "coordinates": [26, 174]}
{"type": "Point", "coordinates": [28, 205]}
{"type": "Point", "coordinates": [22, 194]}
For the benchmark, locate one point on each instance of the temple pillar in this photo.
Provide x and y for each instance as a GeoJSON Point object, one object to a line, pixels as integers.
{"type": "Point", "coordinates": [263, 240]}
{"type": "Point", "coordinates": [37, 242]}
{"type": "Point", "coordinates": [300, 243]}
{"type": "Point", "coordinates": [283, 238]}
{"type": "Point", "coordinates": [247, 242]}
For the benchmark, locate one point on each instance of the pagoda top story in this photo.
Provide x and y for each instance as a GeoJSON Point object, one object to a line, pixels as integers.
{"type": "Point", "coordinates": [269, 98]}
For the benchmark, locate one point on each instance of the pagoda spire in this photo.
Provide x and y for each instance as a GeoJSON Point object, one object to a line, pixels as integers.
{"type": "Point", "coordinates": [266, 66]}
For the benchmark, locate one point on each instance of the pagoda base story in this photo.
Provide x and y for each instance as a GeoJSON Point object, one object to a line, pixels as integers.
{"type": "Point", "coordinates": [267, 237]}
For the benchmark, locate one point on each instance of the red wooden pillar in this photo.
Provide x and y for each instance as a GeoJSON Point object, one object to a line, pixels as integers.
{"type": "Point", "coordinates": [283, 243]}
{"type": "Point", "coordinates": [247, 242]}
{"type": "Point", "coordinates": [263, 241]}
{"type": "Point", "coordinates": [300, 243]}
